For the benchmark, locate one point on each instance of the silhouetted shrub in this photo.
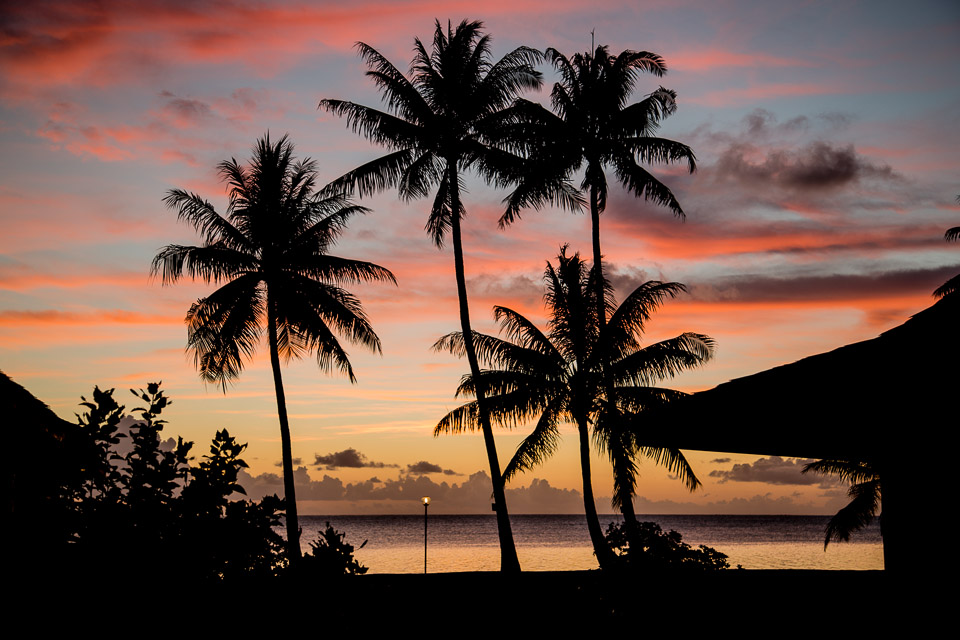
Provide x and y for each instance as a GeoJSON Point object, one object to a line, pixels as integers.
{"type": "Point", "coordinates": [146, 509]}
{"type": "Point", "coordinates": [659, 550]}
{"type": "Point", "coordinates": [331, 555]}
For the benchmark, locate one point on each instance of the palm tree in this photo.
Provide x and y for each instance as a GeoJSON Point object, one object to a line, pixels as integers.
{"type": "Point", "coordinates": [953, 284]}
{"type": "Point", "coordinates": [595, 127]}
{"type": "Point", "coordinates": [865, 494]}
{"type": "Point", "coordinates": [269, 254]}
{"type": "Point", "coordinates": [441, 123]}
{"type": "Point", "coordinates": [543, 377]}
{"type": "Point", "coordinates": [630, 375]}
{"type": "Point", "coordinates": [554, 378]}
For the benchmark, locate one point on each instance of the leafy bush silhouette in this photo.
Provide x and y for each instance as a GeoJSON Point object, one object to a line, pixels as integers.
{"type": "Point", "coordinates": [662, 550]}
{"type": "Point", "coordinates": [331, 555]}
{"type": "Point", "coordinates": [147, 507]}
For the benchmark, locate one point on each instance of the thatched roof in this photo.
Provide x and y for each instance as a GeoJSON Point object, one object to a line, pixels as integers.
{"type": "Point", "coordinates": [852, 402]}
{"type": "Point", "coordinates": [21, 408]}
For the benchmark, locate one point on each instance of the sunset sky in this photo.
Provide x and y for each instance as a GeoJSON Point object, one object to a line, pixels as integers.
{"type": "Point", "coordinates": [827, 136]}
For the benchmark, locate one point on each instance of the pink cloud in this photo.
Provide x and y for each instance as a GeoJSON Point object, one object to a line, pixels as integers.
{"type": "Point", "coordinates": [770, 91]}
{"type": "Point", "coordinates": [700, 60]}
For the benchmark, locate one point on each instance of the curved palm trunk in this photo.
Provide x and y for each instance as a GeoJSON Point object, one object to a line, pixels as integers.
{"type": "Point", "coordinates": [289, 493]}
{"type": "Point", "coordinates": [508, 551]}
{"type": "Point", "coordinates": [601, 549]}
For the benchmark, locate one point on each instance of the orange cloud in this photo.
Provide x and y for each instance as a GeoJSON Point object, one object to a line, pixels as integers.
{"type": "Point", "coordinates": [74, 318]}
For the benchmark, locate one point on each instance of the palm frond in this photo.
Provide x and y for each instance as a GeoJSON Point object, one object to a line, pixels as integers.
{"type": "Point", "coordinates": [852, 471]}
{"type": "Point", "coordinates": [523, 332]}
{"type": "Point", "coordinates": [420, 175]}
{"type": "Point", "coordinates": [624, 474]}
{"type": "Point", "coordinates": [539, 190]}
{"type": "Point", "coordinates": [950, 286]}
{"type": "Point", "coordinates": [652, 150]}
{"type": "Point", "coordinates": [499, 353]}
{"type": "Point", "coordinates": [341, 271]}
{"type": "Point", "coordinates": [636, 399]}
{"type": "Point", "coordinates": [533, 450]}
{"type": "Point", "coordinates": [459, 420]}
{"type": "Point", "coordinates": [630, 318]}
{"type": "Point", "coordinates": [641, 182]}
{"type": "Point", "coordinates": [400, 94]}
{"type": "Point", "coordinates": [675, 462]}
{"type": "Point", "coordinates": [204, 218]}
{"type": "Point", "coordinates": [381, 128]}
{"type": "Point", "coordinates": [322, 222]}
{"type": "Point", "coordinates": [666, 359]}
{"type": "Point", "coordinates": [439, 222]}
{"type": "Point", "coordinates": [856, 515]}
{"type": "Point", "coordinates": [308, 301]}
{"type": "Point", "coordinates": [211, 263]}
{"type": "Point", "coordinates": [510, 75]}
{"type": "Point", "coordinates": [376, 175]}
{"type": "Point", "coordinates": [224, 329]}
{"type": "Point", "coordinates": [643, 118]}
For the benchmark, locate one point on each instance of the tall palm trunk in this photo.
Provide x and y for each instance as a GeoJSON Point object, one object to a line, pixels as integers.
{"type": "Point", "coordinates": [508, 551]}
{"type": "Point", "coordinates": [626, 502]}
{"type": "Point", "coordinates": [601, 549]}
{"type": "Point", "coordinates": [289, 493]}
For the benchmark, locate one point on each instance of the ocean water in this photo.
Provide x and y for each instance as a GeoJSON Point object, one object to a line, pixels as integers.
{"type": "Point", "coordinates": [561, 542]}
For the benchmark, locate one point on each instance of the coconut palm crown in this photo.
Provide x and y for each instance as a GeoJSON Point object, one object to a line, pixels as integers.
{"type": "Point", "coordinates": [448, 117]}
{"type": "Point", "coordinates": [269, 256]}
{"type": "Point", "coordinates": [554, 378]}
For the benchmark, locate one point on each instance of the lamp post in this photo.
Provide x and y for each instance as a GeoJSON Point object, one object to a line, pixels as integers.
{"type": "Point", "coordinates": [426, 503]}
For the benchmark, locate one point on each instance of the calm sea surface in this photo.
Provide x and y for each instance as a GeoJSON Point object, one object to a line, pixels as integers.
{"type": "Point", "coordinates": [548, 543]}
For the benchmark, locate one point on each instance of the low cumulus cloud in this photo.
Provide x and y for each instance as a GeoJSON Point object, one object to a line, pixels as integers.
{"type": "Point", "coordinates": [296, 462]}
{"type": "Point", "coordinates": [626, 278]}
{"type": "Point", "coordinates": [758, 504]}
{"type": "Point", "coordinates": [774, 470]}
{"type": "Point", "coordinates": [801, 155]}
{"type": "Point", "coordinates": [516, 287]}
{"type": "Point", "coordinates": [423, 468]}
{"type": "Point", "coordinates": [185, 112]}
{"type": "Point", "coordinates": [472, 496]}
{"type": "Point", "coordinates": [394, 496]}
{"type": "Point", "coordinates": [816, 166]}
{"type": "Point", "coordinates": [348, 458]}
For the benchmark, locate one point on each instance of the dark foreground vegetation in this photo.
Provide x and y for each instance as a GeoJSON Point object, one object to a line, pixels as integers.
{"type": "Point", "coordinates": [123, 502]}
{"type": "Point", "coordinates": [123, 494]}
{"type": "Point", "coordinates": [123, 521]}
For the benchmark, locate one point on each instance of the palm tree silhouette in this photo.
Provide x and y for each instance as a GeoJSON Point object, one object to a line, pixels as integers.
{"type": "Point", "coordinates": [630, 374]}
{"type": "Point", "coordinates": [594, 126]}
{"type": "Point", "coordinates": [555, 379]}
{"type": "Point", "coordinates": [953, 284]}
{"type": "Point", "coordinates": [444, 121]}
{"type": "Point", "coordinates": [269, 253]}
{"type": "Point", "coordinates": [865, 494]}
